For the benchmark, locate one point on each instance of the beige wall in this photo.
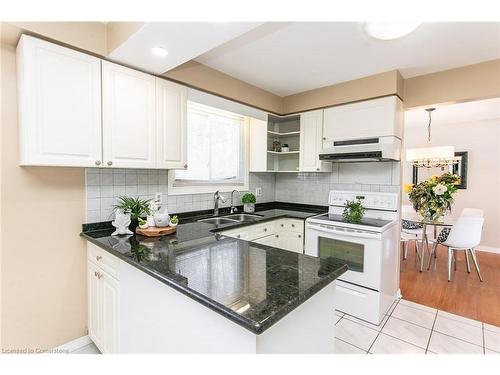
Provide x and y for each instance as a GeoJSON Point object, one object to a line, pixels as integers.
{"type": "Point", "coordinates": [467, 83]}
{"type": "Point", "coordinates": [90, 36]}
{"type": "Point", "coordinates": [388, 83]}
{"type": "Point", "coordinates": [202, 77]}
{"type": "Point", "coordinates": [119, 32]}
{"type": "Point", "coordinates": [43, 283]}
{"type": "Point", "coordinates": [482, 140]}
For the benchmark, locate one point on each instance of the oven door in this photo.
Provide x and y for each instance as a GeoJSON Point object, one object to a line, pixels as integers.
{"type": "Point", "coordinates": [360, 250]}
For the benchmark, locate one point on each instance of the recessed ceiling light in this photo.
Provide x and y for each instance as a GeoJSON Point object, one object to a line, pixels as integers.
{"type": "Point", "coordinates": [159, 51]}
{"type": "Point", "coordinates": [390, 30]}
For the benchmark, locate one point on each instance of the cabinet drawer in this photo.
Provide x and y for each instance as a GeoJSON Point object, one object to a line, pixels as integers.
{"type": "Point", "coordinates": [107, 262]}
{"type": "Point", "coordinates": [293, 225]}
{"type": "Point", "coordinates": [261, 230]}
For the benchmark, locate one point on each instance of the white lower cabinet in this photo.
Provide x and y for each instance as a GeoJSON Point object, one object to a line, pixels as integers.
{"type": "Point", "coordinates": [271, 240]}
{"type": "Point", "coordinates": [103, 302]}
{"type": "Point", "coordinates": [292, 241]}
{"type": "Point", "coordinates": [285, 234]}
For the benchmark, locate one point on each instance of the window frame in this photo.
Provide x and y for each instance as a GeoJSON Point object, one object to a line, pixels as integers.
{"type": "Point", "coordinates": [198, 187]}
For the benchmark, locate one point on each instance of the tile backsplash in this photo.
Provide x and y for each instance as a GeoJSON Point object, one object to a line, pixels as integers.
{"type": "Point", "coordinates": [313, 188]}
{"type": "Point", "coordinates": [104, 186]}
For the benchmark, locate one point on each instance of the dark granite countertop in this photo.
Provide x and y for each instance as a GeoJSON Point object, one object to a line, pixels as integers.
{"type": "Point", "coordinates": [251, 284]}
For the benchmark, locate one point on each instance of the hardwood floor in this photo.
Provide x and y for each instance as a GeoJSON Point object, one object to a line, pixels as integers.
{"type": "Point", "coordinates": [464, 295]}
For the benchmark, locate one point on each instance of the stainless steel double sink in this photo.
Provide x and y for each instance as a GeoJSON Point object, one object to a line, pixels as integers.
{"type": "Point", "coordinates": [232, 218]}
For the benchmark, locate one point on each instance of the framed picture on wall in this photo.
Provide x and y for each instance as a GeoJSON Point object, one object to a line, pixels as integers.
{"type": "Point", "coordinates": [460, 169]}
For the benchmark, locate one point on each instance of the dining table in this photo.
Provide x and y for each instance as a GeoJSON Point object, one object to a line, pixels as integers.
{"type": "Point", "coordinates": [443, 222]}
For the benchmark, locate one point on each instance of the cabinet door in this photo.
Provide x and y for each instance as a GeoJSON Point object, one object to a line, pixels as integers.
{"type": "Point", "coordinates": [59, 105]}
{"type": "Point", "coordinates": [110, 313]}
{"type": "Point", "coordinates": [258, 145]}
{"type": "Point", "coordinates": [129, 119]}
{"type": "Point", "coordinates": [291, 241]}
{"type": "Point", "coordinates": [367, 119]}
{"type": "Point", "coordinates": [271, 240]}
{"type": "Point", "coordinates": [95, 323]}
{"type": "Point", "coordinates": [171, 104]}
{"type": "Point", "coordinates": [311, 139]}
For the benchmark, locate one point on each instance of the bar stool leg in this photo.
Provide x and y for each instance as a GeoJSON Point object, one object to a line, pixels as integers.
{"type": "Point", "coordinates": [405, 250]}
{"type": "Point", "coordinates": [474, 260]}
{"type": "Point", "coordinates": [454, 260]}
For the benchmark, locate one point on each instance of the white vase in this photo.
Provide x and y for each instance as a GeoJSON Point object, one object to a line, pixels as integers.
{"type": "Point", "coordinates": [161, 219]}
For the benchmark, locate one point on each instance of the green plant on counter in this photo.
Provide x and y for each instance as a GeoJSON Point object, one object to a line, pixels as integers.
{"type": "Point", "coordinates": [248, 198]}
{"type": "Point", "coordinates": [174, 219]}
{"type": "Point", "coordinates": [135, 206]}
{"type": "Point", "coordinates": [353, 211]}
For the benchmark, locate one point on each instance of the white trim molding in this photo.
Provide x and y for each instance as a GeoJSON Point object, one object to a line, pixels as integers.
{"type": "Point", "coordinates": [489, 249]}
{"type": "Point", "coordinates": [73, 345]}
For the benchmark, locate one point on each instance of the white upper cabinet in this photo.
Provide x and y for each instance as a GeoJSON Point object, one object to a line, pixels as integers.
{"type": "Point", "coordinates": [59, 93]}
{"type": "Point", "coordinates": [371, 118]}
{"type": "Point", "coordinates": [171, 130]}
{"type": "Point", "coordinates": [311, 139]}
{"type": "Point", "coordinates": [258, 145]}
{"type": "Point", "coordinates": [129, 117]}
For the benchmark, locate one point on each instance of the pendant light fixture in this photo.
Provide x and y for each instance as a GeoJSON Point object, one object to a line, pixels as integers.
{"type": "Point", "coordinates": [430, 157]}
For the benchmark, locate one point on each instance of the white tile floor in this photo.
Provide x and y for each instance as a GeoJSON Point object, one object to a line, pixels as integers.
{"type": "Point", "coordinates": [408, 328]}
{"type": "Point", "coordinates": [413, 328]}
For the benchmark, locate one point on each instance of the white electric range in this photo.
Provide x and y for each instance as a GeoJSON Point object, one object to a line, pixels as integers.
{"type": "Point", "coordinates": [369, 248]}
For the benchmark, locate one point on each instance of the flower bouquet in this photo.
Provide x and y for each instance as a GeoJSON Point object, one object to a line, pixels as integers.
{"type": "Point", "coordinates": [432, 198]}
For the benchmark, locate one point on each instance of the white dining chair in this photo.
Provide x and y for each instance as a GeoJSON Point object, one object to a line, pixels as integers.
{"type": "Point", "coordinates": [443, 235]}
{"type": "Point", "coordinates": [464, 235]}
{"type": "Point", "coordinates": [411, 231]}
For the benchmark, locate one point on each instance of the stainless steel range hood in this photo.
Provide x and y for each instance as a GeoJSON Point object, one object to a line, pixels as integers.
{"type": "Point", "coordinates": [363, 150]}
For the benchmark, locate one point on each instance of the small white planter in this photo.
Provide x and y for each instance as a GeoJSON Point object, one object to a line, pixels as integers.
{"type": "Point", "coordinates": [249, 207]}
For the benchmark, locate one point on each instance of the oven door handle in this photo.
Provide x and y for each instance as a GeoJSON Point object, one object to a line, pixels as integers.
{"type": "Point", "coordinates": [334, 230]}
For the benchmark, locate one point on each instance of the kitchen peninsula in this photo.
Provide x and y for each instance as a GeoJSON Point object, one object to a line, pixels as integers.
{"type": "Point", "coordinates": [199, 291]}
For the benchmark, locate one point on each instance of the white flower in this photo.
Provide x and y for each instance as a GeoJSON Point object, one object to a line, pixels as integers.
{"type": "Point", "coordinates": [439, 189]}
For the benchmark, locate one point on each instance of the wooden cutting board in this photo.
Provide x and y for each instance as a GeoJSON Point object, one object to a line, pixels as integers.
{"type": "Point", "coordinates": [155, 231]}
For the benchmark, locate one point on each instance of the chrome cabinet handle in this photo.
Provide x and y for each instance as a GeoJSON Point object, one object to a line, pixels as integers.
{"type": "Point", "coordinates": [317, 169]}
{"type": "Point", "coordinates": [110, 163]}
{"type": "Point", "coordinates": [185, 166]}
{"type": "Point", "coordinates": [282, 225]}
{"type": "Point", "coordinates": [98, 275]}
{"type": "Point", "coordinates": [293, 225]}
{"type": "Point", "coordinates": [265, 229]}
{"type": "Point", "coordinates": [324, 138]}
{"type": "Point", "coordinates": [300, 236]}
{"type": "Point", "coordinates": [98, 258]}
{"type": "Point", "coordinates": [238, 236]}
{"type": "Point", "coordinates": [97, 162]}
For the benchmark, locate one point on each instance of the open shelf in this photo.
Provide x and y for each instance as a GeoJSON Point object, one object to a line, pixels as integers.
{"type": "Point", "coordinates": [286, 134]}
{"type": "Point", "coordinates": [283, 152]}
{"type": "Point", "coordinates": [285, 130]}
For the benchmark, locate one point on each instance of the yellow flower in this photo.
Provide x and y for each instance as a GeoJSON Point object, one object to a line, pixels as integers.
{"type": "Point", "coordinates": [434, 177]}
{"type": "Point", "coordinates": [407, 187]}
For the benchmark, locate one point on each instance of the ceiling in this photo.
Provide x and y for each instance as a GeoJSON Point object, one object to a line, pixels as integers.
{"type": "Point", "coordinates": [287, 58]}
{"type": "Point", "coordinates": [455, 113]}
{"type": "Point", "coordinates": [183, 41]}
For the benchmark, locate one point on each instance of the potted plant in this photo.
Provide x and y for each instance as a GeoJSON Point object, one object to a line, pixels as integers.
{"type": "Point", "coordinates": [353, 211]}
{"type": "Point", "coordinates": [248, 201]}
{"type": "Point", "coordinates": [174, 221]}
{"type": "Point", "coordinates": [432, 198]}
{"type": "Point", "coordinates": [135, 206]}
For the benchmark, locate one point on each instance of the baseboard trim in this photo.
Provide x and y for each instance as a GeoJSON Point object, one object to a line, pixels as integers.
{"type": "Point", "coordinates": [489, 249]}
{"type": "Point", "coordinates": [75, 344]}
